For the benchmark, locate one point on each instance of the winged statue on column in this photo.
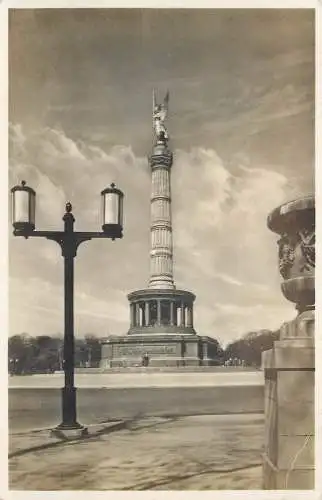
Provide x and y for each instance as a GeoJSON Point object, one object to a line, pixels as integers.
{"type": "Point", "coordinates": [160, 112]}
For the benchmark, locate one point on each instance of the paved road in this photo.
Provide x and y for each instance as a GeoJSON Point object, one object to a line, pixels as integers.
{"type": "Point", "coordinates": [37, 408]}
{"type": "Point", "coordinates": [143, 379]}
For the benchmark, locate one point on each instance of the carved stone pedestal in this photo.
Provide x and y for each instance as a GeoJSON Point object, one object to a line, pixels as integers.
{"type": "Point", "coordinates": [289, 409]}
{"type": "Point", "coordinates": [163, 350]}
{"type": "Point", "coordinates": [288, 459]}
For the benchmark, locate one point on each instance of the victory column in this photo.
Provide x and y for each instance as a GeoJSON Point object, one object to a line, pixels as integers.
{"type": "Point", "coordinates": [161, 317]}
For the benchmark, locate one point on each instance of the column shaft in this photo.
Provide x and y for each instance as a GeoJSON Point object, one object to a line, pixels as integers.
{"type": "Point", "coordinates": [132, 314]}
{"type": "Point", "coordinates": [161, 254]}
{"type": "Point", "coordinates": [137, 314]}
{"type": "Point", "coordinates": [147, 313]}
{"type": "Point", "coordinates": [158, 312]}
{"type": "Point", "coordinates": [171, 313]}
{"type": "Point", "coordinates": [189, 317]}
{"type": "Point", "coordinates": [175, 315]}
{"type": "Point", "coordinates": [183, 315]}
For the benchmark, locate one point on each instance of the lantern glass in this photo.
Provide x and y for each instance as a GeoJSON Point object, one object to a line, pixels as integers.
{"type": "Point", "coordinates": [112, 211]}
{"type": "Point", "coordinates": [121, 209]}
{"type": "Point", "coordinates": [111, 208]}
{"type": "Point", "coordinates": [23, 207]}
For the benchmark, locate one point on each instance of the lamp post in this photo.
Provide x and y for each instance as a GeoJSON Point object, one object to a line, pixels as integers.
{"type": "Point", "coordinates": [23, 221]}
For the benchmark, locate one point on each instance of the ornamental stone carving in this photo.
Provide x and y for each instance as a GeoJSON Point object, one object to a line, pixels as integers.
{"type": "Point", "coordinates": [301, 245]}
{"type": "Point", "coordinates": [295, 223]}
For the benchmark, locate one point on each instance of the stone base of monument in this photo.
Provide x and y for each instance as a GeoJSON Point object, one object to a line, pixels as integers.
{"type": "Point", "coordinates": [288, 461]}
{"type": "Point", "coordinates": [163, 350]}
{"type": "Point", "coordinates": [155, 362]}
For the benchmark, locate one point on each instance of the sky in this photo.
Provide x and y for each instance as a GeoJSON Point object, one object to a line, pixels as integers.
{"type": "Point", "coordinates": [241, 122]}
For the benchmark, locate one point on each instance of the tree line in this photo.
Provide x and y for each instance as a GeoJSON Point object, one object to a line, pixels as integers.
{"type": "Point", "coordinates": [44, 354]}
{"type": "Point", "coordinates": [250, 346]}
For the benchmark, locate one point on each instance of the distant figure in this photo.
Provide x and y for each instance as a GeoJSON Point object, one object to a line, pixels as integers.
{"type": "Point", "coordinates": [145, 359]}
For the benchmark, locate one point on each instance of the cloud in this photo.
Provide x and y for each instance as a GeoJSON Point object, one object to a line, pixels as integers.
{"type": "Point", "coordinates": [219, 216]}
{"type": "Point", "coordinates": [229, 279]}
{"type": "Point", "coordinates": [223, 250]}
{"type": "Point", "coordinates": [44, 300]}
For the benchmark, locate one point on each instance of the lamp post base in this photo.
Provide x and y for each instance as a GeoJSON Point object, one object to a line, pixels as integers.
{"type": "Point", "coordinates": [67, 431]}
{"type": "Point", "coordinates": [69, 426]}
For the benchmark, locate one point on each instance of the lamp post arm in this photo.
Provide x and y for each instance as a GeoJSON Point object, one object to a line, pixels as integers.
{"type": "Point", "coordinates": [59, 235]}
{"type": "Point", "coordinates": [68, 240]}
{"type": "Point", "coordinates": [53, 235]}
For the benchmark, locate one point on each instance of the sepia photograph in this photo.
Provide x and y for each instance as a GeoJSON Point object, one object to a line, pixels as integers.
{"type": "Point", "coordinates": [177, 353]}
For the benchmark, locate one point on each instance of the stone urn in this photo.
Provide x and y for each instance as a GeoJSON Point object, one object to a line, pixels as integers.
{"type": "Point", "coordinates": [288, 458]}
{"type": "Point", "coordinates": [295, 223]}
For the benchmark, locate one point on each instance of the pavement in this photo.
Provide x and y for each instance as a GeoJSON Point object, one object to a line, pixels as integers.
{"type": "Point", "coordinates": [205, 452]}
{"type": "Point", "coordinates": [21, 443]}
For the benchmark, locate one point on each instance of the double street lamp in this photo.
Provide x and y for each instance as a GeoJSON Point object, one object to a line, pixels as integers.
{"type": "Point", "coordinates": [23, 221]}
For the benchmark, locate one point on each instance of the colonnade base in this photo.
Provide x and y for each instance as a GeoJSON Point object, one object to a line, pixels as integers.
{"type": "Point", "coordinates": [166, 309]}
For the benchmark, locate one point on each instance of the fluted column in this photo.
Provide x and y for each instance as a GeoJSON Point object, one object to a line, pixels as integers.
{"type": "Point", "coordinates": [158, 312]}
{"type": "Point", "coordinates": [171, 313]}
{"type": "Point", "coordinates": [147, 313]}
{"type": "Point", "coordinates": [137, 314]}
{"type": "Point", "coordinates": [189, 316]}
{"type": "Point", "coordinates": [183, 315]}
{"type": "Point", "coordinates": [132, 315]}
{"type": "Point", "coordinates": [161, 254]}
{"type": "Point", "coordinates": [175, 314]}
{"type": "Point", "coordinates": [142, 307]}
